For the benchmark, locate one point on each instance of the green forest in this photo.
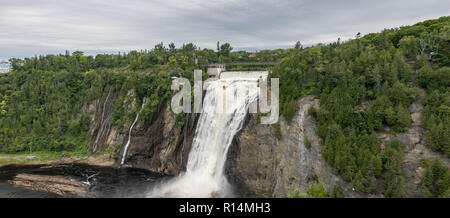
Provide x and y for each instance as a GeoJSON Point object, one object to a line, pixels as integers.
{"type": "Point", "coordinates": [390, 70]}
{"type": "Point", "coordinates": [42, 99]}
{"type": "Point", "coordinates": [365, 85]}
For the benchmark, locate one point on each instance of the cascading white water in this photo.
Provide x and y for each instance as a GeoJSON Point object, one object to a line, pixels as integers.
{"type": "Point", "coordinates": [129, 134]}
{"type": "Point", "coordinates": [225, 107]}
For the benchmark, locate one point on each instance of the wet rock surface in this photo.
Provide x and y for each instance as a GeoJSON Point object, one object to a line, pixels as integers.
{"type": "Point", "coordinates": [59, 185]}
{"type": "Point", "coordinates": [74, 180]}
{"type": "Point", "coordinates": [157, 144]}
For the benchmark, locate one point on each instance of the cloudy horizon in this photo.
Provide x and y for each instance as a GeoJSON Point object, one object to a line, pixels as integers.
{"type": "Point", "coordinates": [31, 27]}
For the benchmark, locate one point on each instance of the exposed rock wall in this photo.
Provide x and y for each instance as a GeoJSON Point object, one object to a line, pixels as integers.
{"type": "Point", "coordinates": [258, 164]}
{"type": "Point", "coordinates": [156, 144]}
{"type": "Point", "coordinates": [102, 135]}
{"type": "Point", "coordinates": [415, 150]}
{"type": "Point", "coordinates": [261, 165]}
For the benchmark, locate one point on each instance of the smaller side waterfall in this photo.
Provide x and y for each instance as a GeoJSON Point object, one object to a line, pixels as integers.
{"type": "Point", "coordinates": [129, 134]}
{"type": "Point", "coordinates": [102, 123]}
{"type": "Point", "coordinates": [301, 138]}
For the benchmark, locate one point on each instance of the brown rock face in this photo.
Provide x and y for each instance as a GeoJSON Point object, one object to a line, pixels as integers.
{"type": "Point", "coordinates": [260, 165]}
{"type": "Point", "coordinates": [61, 185]}
{"type": "Point", "coordinates": [157, 144]}
{"type": "Point", "coordinates": [415, 150]}
{"type": "Point", "coordinates": [102, 135]}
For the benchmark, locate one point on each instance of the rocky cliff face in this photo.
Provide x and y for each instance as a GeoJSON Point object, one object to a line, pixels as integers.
{"type": "Point", "coordinates": [415, 151]}
{"type": "Point", "coordinates": [258, 164]}
{"type": "Point", "coordinates": [261, 165]}
{"type": "Point", "coordinates": [156, 144]}
{"type": "Point", "coordinates": [102, 135]}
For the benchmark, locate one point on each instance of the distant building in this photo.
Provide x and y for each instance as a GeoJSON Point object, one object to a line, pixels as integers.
{"type": "Point", "coordinates": [5, 67]}
{"type": "Point", "coordinates": [252, 55]}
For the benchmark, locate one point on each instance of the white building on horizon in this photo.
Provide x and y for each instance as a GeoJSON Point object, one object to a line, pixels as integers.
{"type": "Point", "coordinates": [5, 67]}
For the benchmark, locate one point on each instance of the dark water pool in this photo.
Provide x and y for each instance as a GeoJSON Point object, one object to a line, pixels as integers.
{"type": "Point", "coordinates": [98, 181]}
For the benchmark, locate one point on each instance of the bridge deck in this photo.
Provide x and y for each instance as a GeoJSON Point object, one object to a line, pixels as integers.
{"type": "Point", "coordinates": [239, 63]}
{"type": "Point", "coordinates": [244, 74]}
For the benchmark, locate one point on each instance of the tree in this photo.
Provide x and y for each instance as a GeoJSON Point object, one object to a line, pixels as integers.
{"type": "Point", "coordinates": [77, 53]}
{"type": "Point", "coordinates": [225, 49]}
{"type": "Point", "coordinates": [409, 46]}
{"type": "Point", "coordinates": [394, 185]}
{"type": "Point", "coordinates": [296, 194]}
{"type": "Point", "coordinates": [403, 119]}
{"type": "Point", "coordinates": [392, 158]}
{"type": "Point", "coordinates": [436, 180]}
{"type": "Point", "coordinates": [172, 48]}
{"type": "Point", "coordinates": [298, 45]}
{"type": "Point", "coordinates": [442, 56]}
{"type": "Point", "coordinates": [317, 191]}
{"type": "Point", "coordinates": [337, 192]}
{"type": "Point", "coordinates": [376, 78]}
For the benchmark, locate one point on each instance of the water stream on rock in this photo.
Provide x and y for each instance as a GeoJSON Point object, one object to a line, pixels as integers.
{"type": "Point", "coordinates": [129, 134]}
{"type": "Point", "coordinates": [102, 123]}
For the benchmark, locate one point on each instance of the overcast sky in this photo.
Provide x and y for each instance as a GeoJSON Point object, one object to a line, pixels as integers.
{"type": "Point", "coordinates": [30, 27]}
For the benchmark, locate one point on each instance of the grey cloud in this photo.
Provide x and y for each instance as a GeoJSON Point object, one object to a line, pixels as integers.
{"type": "Point", "coordinates": [30, 27]}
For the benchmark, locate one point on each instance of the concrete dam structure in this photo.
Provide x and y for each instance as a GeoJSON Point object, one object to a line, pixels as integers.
{"type": "Point", "coordinates": [244, 74]}
{"type": "Point", "coordinates": [219, 72]}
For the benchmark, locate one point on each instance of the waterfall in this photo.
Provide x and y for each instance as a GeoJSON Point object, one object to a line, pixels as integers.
{"type": "Point", "coordinates": [102, 124]}
{"type": "Point", "coordinates": [224, 110]}
{"type": "Point", "coordinates": [129, 134]}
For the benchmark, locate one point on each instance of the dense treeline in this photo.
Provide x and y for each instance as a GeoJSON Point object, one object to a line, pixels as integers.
{"type": "Point", "coordinates": [188, 56]}
{"type": "Point", "coordinates": [42, 99]}
{"type": "Point", "coordinates": [365, 86]}
{"type": "Point", "coordinates": [43, 110]}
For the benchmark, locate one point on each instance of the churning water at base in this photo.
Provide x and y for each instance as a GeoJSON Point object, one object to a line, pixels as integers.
{"type": "Point", "coordinates": [224, 110]}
